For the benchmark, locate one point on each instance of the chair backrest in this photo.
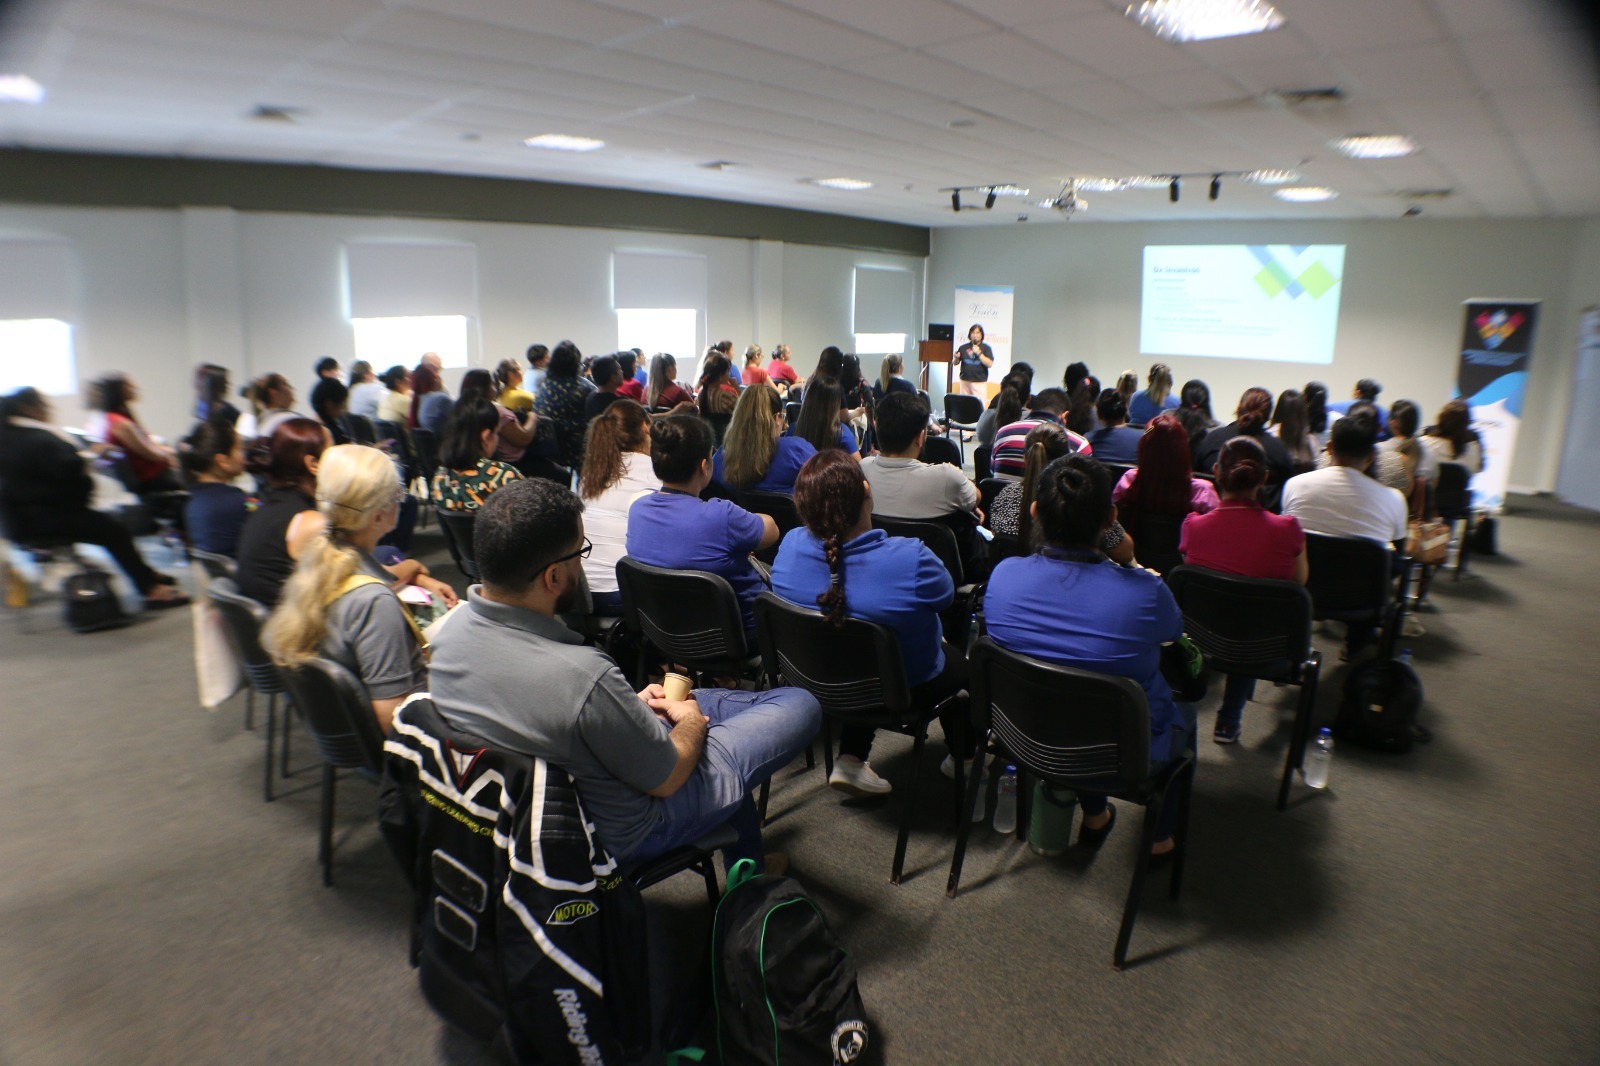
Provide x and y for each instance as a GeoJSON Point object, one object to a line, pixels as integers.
{"type": "Point", "coordinates": [980, 460]}
{"type": "Point", "coordinates": [1250, 626]}
{"type": "Point", "coordinates": [244, 618]}
{"type": "Point", "coordinates": [689, 616]}
{"type": "Point", "coordinates": [1061, 723]}
{"type": "Point", "coordinates": [988, 489]}
{"type": "Point", "coordinates": [1452, 492]}
{"type": "Point", "coordinates": [1351, 577]}
{"type": "Point", "coordinates": [791, 412]}
{"type": "Point", "coordinates": [939, 538]}
{"type": "Point", "coordinates": [854, 670]}
{"type": "Point", "coordinates": [426, 446]}
{"type": "Point", "coordinates": [395, 431]}
{"type": "Point", "coordinates": [457, 526]}
{"type": "Point", "coordinates": [1116, 470]}
{"type": "Point", "coordinates": [337, 712]}
{"type": "Point", "coordinates": [1155, 540]}
{"type": "Point", "coordinates": [362, 431]}
{"type": "Point", "coordinates": [961, 409]}
{"type": "Point", "coordinates": [941, 450]}
{"type": "Point", "coordinates": [780, 505]}
{"type": "Point", "coordinates": [215, 564]}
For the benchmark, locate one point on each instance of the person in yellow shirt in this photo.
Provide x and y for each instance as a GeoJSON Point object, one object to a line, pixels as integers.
{"type": "Point", "coordinates": [508, 378]}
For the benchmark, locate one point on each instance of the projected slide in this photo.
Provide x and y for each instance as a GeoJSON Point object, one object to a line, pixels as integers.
{"type": "Point", "coordinates": [1241, 301]}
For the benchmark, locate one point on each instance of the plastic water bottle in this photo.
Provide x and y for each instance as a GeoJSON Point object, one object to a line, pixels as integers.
{"type": "Point", "coordinates": [1317, 760]}
{"type": "Point", "coordinates": [1005, 802]}
{"type": "Point", "coordinates": [1405, 656]}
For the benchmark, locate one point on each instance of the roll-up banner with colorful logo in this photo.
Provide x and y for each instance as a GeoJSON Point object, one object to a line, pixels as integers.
{"type": "Point", "coordinates": [1496, 342]}
{"type": "Point", "coordinates": [988, 306]}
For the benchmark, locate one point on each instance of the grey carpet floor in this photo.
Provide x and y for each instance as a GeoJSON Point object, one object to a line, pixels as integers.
{"type": "Point", "coordinates": [1434, 907]}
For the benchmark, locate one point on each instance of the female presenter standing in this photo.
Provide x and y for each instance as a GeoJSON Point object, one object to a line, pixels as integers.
{"type": "Point", "coordinates": [976, 358]}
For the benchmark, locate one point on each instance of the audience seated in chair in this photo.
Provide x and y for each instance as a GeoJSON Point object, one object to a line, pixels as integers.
{"type": "Point", "coordinates": [213, 457]}
{"type": "Point", "coordinates": [755, 454]}
{"type": "Point", "coordinates": [395, 404]}
{"type": "Point", "coordinates": [1342, 501]}
{"type": "Point", "coordinates": [1012, 515]}
{"type": "Point", "coordinates": [45, 495]}
{"type": "Point", "coordinates": [1250, 420]}
{"type": "Point", "coordinates": [675, 528]}
{"type": "Point", "coordinates": [468, 471]}
{"type": "Point", "coordinates": [1114, 441]}
{"type": "Point", "coordinates": [430, 403]}
{"type": "Point", "coordinates": [616, 472]}
{"type": "Point", "coordinates": [338, 605]}
{"type": "Point", "coordinates": [1163, 485]}
{"type": "Point", "coordinates": [150, 466]}
{"type": "Point", "coordinates": [1244, 538]}
{"type": "Point", "coordinates": [839, 563]}
{"type": "Point", "coordinates": [902, 485]}
{"type": "Point", "coordinates": [560, 402]}
{"type": "Point", "coordinates": [823, 421]}
{"type": "Point", "coordinates": [1069, 604]}
{"type": "Point", "coordinates": [330, 401]}
{"type": "Point", "coordinates": [652, 774]}
{"type": "Point", "coordinates": [1009, 454]}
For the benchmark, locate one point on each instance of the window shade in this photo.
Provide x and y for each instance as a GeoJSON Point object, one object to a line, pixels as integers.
{"type": "Point", "coordinates": [400, 280]}
{"type": "Point", "coordinates": [883, 300]}
{"type": "Point", "coordinates": [37, 280]}
{"type": "Point", "coordinates": [658, 279]}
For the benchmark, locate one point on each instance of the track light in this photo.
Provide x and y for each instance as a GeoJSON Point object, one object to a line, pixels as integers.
{"type": "Point", "coordinates": [955, 201]}
{"type": "Point", "coordinates": [988, 204]}
{"type": "Point", "coordinates": [1216, 186]}
{"type": "Point", "coordinates": [1174, 190]}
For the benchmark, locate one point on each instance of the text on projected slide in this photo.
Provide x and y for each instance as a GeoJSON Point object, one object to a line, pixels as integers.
{"type": "Point", "coordinates": [1241, 301]}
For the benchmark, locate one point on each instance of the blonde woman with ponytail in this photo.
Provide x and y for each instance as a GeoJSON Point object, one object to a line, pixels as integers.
{"type": "Point", "coordinates": [616, 471]}
{"type": "Point", "coordinates": [1011, 514]}
{"type": "Point", "coordinates": [338, 605]}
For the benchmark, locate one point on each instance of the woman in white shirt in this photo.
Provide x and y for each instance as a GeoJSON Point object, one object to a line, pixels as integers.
{"type": "Point", "coordinates": [616, 471]}
{"type": "Point", "coordinates": [1452, 439]}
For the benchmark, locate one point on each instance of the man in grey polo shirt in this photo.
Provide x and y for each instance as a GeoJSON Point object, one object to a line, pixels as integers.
{"type": "Point", "coordinates": [902, 485]}
{"type": "Point", "coordinates": [652, 774]}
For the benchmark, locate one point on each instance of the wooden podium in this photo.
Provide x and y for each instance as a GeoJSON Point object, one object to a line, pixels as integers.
{"type": "Point", "coordinates": [929, 352]}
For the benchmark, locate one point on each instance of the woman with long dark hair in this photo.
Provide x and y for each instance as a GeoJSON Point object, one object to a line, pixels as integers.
{"type": "Point", "coordinates": [839, 564]}
{"type": "Point", "coordinates": [151, 465]}
{"type": "Point", "coordinates": [430, 404]}
{"type": "Point", "coordinates": [285, 466]}
{"type": "Point", "coordinates": [663, 390]}
{"type": "Point", "coordinates": [1315, 395]}
{"type": "Point", "coordinates": [1289, 426]}
{"type": "Point", "coordinates": [1163, 483]}
{"type": "Point", "coordinates": [469, 468]}
{"type": "Point", "coordinates": [1242, 537]}
{"type": "Point", "coordinates": [1453, 440]}
{"type": "Point", "coordinates": [512, 435]}
{"type": "Point", "coordinates": [1071, 605]}
{"type": "Point", "coordinates": [211, 394]}
{"type": "Point", "coordinates": [821, 421]}
{"type": "Point", "coordinates": [1194, 411]}
{"type": "Point", "coordinates": [1011, 514]}
{"type": "Point", "coordinates": [330, 401]}
{"type": "Point", "coordinates": [1250, 420]}
{"type": "Point", "coordinates": [560, 402]}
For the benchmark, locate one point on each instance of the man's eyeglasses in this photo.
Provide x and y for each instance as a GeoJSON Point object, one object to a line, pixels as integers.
{"type": "Point", "coordinates": [581, 553]}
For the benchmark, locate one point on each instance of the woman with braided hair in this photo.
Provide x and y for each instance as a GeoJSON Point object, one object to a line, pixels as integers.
{"type": "Point", "coordinates": [839, 564]}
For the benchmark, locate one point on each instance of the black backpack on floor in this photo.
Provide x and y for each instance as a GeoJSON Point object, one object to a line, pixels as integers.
{"type": "Point", "coordinates": [784, 989]}
{"type": "Point", "coordinates": [91, 603]}
{"type": "Point", "coordinates": [1380, 705]}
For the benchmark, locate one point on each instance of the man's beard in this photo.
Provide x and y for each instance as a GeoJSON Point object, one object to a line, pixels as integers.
{"type": "Point", "coordinates": [567, 600]}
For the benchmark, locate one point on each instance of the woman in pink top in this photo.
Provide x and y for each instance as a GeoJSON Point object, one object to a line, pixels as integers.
{"type": "Point", "coordinates": [1162, 483]}
{"type": "Point", "coordinates": [1242, 537]}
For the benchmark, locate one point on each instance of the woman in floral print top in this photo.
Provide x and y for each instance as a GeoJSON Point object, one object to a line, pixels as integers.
{"type": "Point", "coordinates": [467, 474]}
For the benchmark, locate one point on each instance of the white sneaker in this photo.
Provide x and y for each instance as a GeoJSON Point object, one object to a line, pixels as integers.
{"type": "Point", "coordinates": [948, 767]}
{"type": "Point", "coordinates": [857, 778]}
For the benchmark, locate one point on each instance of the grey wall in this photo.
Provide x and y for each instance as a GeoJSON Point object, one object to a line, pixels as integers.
{"type": "Point", "coordinates": [1077, 297]}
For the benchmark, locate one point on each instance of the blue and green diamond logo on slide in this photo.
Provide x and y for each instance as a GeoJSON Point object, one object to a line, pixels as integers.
{"type": "Point", "coordinates": [1274, 277]}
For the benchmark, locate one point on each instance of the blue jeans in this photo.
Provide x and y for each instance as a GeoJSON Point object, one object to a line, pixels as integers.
{"type": "Point", "coordinates": [1235, 694]}
{"type": "Point", "coordinates": [752, 735]}
{"type": "Point", "coordinates": [1181, 737]}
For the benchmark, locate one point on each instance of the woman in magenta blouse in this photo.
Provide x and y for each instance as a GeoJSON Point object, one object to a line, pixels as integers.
{"type": "Point", "coordinates": [1242, 537]}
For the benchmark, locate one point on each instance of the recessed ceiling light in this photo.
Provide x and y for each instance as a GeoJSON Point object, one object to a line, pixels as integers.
{"type": "Point", "coordinates": [20, 89]}
{"type": "Point", "coordinates": [1270, 177]}
{"type": "Point", "coordinates": [1305, 194]}
{"type": "Point", "coordinates": [1149, 181]}
{"type": "Point", "coordinates": [1203, 20]}
{"type": "Point", "coordinates": [1101, 184]}
{"type": "Point", "coordinates": [847, 184]}
{"type": "Point", "coordinates": [562, 142]}
{"type": "Point", "coordinates": [1374, 146]}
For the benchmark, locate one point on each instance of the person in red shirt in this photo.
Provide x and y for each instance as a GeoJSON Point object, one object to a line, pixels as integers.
{"type": "Point", "coordinates": [631, 388]}
{"type": "Point", "coordinates": [780, 371]}
{"type": "Point", "coordinates": [1242, 537]}
{"type": "Point", "coordinates": [753, 374]}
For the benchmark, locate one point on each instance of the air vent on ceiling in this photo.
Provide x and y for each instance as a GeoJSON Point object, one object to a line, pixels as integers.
{"type": "Point", "coordinates": [720, 164]}
{"type": "Point", "coordinates": [276, 113]}
{"type": "Point", "coordinates": [961, 123]}
{"type": "Point", "coordinates": [1426, 194]}
{"type": "Point", "coordinates": [1330, 94]}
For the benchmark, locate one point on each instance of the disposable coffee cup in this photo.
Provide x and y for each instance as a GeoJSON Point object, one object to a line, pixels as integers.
{"type": "Point", "coordinates": [677, 687]}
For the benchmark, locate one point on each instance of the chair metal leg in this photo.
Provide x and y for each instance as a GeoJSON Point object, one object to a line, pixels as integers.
{"type": "Point", "coordinates": [1181, 839]}
{"type": "Point", "coordinates": [325, 833]}
{"type": "Point", "coordinates": [1297, 738]}
{"type": "Point", "coordinates": [1141, 866]}
{"type": "Point", "coordinates": [249, 708]}
{"type": "Point", "coordinates": [761, 804]}
{"type": "Point", "coordinates": [283, 753]}
{"type": "Point", "coordinates": [961, 787]}
{"type": "Point", "coordinates": [708, 870]}
{"type": "Point", "coordinates": [827, 747]}
{"type": "Point", "coordinates": [811, 759]}
{"type": "Point", "coordinates": [1024, 804]}
{"type": "Point", "coordinates": [964, 823]}
{"type": "Point", "coordinates": [905, 809]}
{"type": "Point", "coordinates": [271, 731]}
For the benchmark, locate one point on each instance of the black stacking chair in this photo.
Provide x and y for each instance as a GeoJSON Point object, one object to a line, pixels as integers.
{"type": "Point", "coordinates": [338, 714]}
{"type": "Point", "coordinates": [791, 412]}
{"type": "Point", "coordinates": [942, 450]}
{"type": "Point", "coordinates": [425, 447]}
{"type": "Point", "coordinates": [941, 540]}
{"type": "Point", "coordinates": [457, 526]}
{"type": "Point", "coordinates": [215, 564]}
{"type": "Point", "coordinates": [1452, 499]}
{"type": "Point", "coordinates": [1079, 730]}
{"type": "Point", "coordinates": [1353, 580]}
{"type": "Point", "coordinates": [1155, 540]}
{"type": "Point", "coordinates": [980, 460]}
{"type": "Point", "coordinates": [961, 414]}
{"type": "Point", "coordinates": [1116, 470]}
{"type": "Point", "coordinates": [780, 506]}
{"type": "Point", "coordinates": [244, 618]}
{"type": "Point", "coordinates": [686, 617]}
{"type": "Point", "coordinates": [855, 671]}
{"type": "Point", "coordinates": [1255, 627]}
{"type": "Point", "coordinates": [362, 431]}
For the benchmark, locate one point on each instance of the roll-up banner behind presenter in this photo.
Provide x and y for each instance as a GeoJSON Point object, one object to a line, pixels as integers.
{"type": "Point", "coordinates": [1496, 343]}
{"type": "Point", "coordinates": [987, 306]}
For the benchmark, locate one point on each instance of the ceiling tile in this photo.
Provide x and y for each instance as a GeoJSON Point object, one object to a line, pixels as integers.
{"type": "Point", "coordinates": [433, 32]}
{"type": "Point", "coordinates": [928, 75]}
{"type": "Point", "coordinates": [573, 19]}
{"type": "Point", "coordinates": [696, 49]}
{"type": "Point", "coordinates": [1112, 44]}
{"type": "Point", "coordinates": [1429, 72]}
{"type": "Point", "coordinates": [908, 23]}
{"type": "Point", "coordinates": [1014, 59]}
{"type": "Point", "coordinates": [1515, 62]}
{"type": "Point", "coordinates": [1357, 23]}
{"type": "Point", "coordinates": [817, 40]}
